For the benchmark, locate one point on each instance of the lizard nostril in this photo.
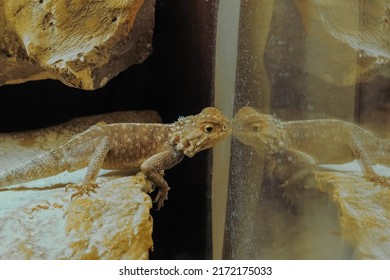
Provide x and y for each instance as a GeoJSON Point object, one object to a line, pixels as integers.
{"type": "Point", "coordinates": [255, 128]}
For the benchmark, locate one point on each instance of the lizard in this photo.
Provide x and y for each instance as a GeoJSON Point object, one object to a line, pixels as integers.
{"type": "Point", "coordinates": [31, 142]}
{"type": "Point", "coordinates": [293, 148]}
{"type": "Point", "coordinates": [150, 148]}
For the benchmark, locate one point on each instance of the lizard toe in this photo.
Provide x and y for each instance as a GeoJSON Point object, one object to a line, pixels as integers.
{"type": "Point", "coordinates": [290, 193]}
{"type": "Point", "coordinates": [378, 180]}
{"type": "Point", "coordinates": [159, 199]}
{"type": "Point", "coordinates": [81, 189]}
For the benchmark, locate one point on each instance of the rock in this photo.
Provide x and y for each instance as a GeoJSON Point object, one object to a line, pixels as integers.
{"type": "Point", "coordinates": [113, 223]}
{"type": "Point", "coordinates": [363, 212]}
{"type": "Point", "coordinates": [81, 43]}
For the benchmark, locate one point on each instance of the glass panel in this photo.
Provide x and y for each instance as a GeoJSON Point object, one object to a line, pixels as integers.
{"type": "Point", "coordinates": [308, 176]}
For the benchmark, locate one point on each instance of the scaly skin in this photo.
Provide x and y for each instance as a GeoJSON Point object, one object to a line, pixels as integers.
{"type": "Point", "coordinates": [292, 146]}
{"type": "Point", "coordinates": [150, 148]}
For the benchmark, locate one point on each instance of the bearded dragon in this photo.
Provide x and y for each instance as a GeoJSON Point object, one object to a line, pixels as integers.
{"type": "Point", "coordinates": [150, 148]}
{"type": "Point", "coordinates": [293, 147]}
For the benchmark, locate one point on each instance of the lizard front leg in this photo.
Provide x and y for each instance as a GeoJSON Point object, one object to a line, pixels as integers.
{"type": "Point", "coordinates": [154, 167]}
{"type": "Point", "coordinates": [366, 164]}
{"type": "Point", "coordinates": [95, 163]}
{"type": "Point", "coordinates": [291, 167]}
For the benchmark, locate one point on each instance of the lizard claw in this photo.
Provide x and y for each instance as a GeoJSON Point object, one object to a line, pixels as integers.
{"type": "Point", "coordinates": [81, 189]}
{"type": "Point", "coordinates": [290, 193]}
{"type": "Point", "coordinates": [159, 199]}
{"type": "Point", "coordinates": [377, 179]}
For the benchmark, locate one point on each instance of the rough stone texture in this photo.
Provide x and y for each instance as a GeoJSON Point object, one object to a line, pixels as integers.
{"type": "Point", "coordinates": [81, 43]}
{"type": "Point", "coordinates": [363, 212]}
{"type": "Point", "coordinates": [335, 215]}
{"type": "Point", "coordinates": [43, 223]}
{"type": "Point", "coordinates": [39, 221]}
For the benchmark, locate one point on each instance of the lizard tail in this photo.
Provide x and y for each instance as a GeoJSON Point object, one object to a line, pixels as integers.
{"type": "Point", "coordinates": [41, 166]}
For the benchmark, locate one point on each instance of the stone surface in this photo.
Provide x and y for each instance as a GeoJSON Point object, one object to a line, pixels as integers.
{"type": "Point", "coordinates": [43, 223]}
{"type": "Point", "coordinates": [81, 43]}
{"type": "Point", "coordinates": [363, 212]}
{"type": "Point", "coordinates": [336, 214]}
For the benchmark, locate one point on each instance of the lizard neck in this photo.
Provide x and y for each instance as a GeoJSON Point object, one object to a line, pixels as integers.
{"type": "Point", "coordinates": [178, 139]}
{"type": "Point", "coordinates": [275, 136]}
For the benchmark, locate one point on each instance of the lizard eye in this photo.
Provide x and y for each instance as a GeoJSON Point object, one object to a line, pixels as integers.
{"type": "Point", "coordinates": [255, 128]}
{"type": "Point", "coordinates": [208, 128]}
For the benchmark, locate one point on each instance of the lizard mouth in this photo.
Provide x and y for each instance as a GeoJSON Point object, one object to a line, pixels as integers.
{"type": "Point", "coordinates": [196, 145]}
{"type": "Point", "coordinates": [189, 154]}
{"type": "Point", "coordinates": [239, 132]}
{"type": "Point", "coordinates": [193, 146]}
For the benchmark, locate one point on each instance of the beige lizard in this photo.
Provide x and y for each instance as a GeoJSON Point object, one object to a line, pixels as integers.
{"type": "Point", "coordinates": [292, 146]}
{"type": "Point", "coordinates": [150, 148]}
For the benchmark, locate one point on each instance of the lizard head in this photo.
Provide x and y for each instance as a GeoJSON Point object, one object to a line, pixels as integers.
{"type": "Point", "coordinates": [193, 134]}
{"type": "Point", "coordinates": [260, 131]}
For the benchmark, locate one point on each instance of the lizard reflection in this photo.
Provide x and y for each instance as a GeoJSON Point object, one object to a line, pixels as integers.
{"type": "Point", "coordinates": [293, 148]}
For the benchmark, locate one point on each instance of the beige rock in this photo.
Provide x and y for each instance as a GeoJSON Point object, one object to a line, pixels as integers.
{"type": "Point", "coordinates": [43, 223]}
{"type": "Point", "coordinates": [81, 43]}
{"type": "Point", "coordinates": [336, 215]}
{"type": "Point", "coordinates": [363, 212]}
